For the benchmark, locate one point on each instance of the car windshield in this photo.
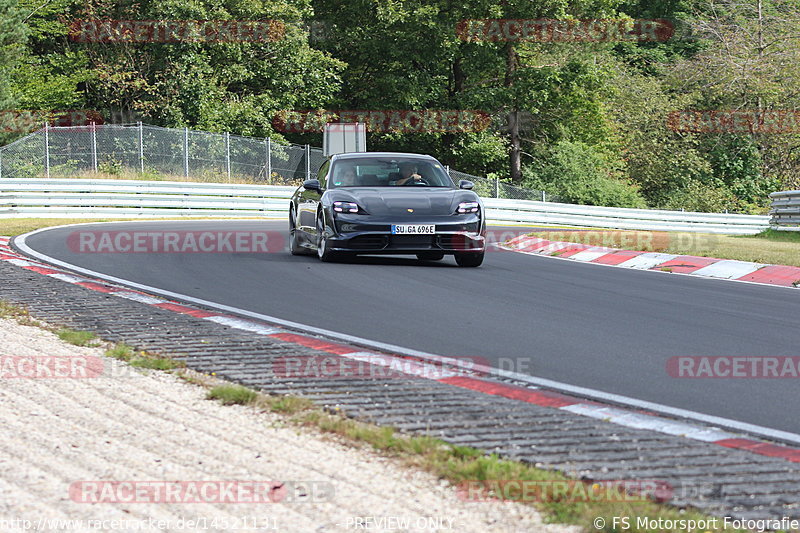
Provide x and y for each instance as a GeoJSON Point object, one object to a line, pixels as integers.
{"type": "Point", "coordinates": [389, 172]}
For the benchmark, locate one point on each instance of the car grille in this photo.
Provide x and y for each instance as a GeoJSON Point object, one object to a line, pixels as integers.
{"type": "Point", "coordinates": [411, 241]}
{"type": "Point", "coordinates": [454, 242]}
{"type": "Point", "coordinates": [369, 242]}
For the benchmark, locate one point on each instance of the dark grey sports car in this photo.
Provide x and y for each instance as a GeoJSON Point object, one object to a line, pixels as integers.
{"type": "Point", "coordinates": [387, 203]}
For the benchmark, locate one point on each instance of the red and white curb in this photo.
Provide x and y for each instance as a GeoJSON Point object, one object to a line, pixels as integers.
{"type": "Point", "coordinates": [417, 367]}
{"type": "Point", "coordinates": [709, 267]}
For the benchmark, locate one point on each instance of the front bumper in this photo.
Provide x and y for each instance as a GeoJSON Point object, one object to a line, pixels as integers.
{"type": "Point", "coordinates": [362, 234]}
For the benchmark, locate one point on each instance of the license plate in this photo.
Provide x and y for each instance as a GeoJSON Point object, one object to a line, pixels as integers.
{"type": "Point", "coordinates": [413, 229]}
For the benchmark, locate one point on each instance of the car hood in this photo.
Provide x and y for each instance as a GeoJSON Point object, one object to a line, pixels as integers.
{"type": "Point", "coordinates": [380, 201]}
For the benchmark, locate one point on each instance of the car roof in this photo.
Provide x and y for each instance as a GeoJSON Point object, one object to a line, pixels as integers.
{"type": "Point", "coordinates": [353, 155]}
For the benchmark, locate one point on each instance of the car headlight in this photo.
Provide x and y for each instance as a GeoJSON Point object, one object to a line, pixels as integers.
{"type": "Point", "coordinates": [345, 207]}
{"type": "Point", "coordinates": [468, 207]}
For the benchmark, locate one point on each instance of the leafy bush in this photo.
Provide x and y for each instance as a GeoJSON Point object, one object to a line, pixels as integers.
{"type": "Point", "coordinates": [576, 173]}
{"type": "Point", "coordinates": [110, 166]}
{"type": "Point", "coordinates": [697, 196]}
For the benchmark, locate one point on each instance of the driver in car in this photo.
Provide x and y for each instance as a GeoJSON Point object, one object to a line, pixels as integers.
{"type": "Point", "coordinates": [347, 178]}
{"type": "Point", "coordinates": [409, 176]}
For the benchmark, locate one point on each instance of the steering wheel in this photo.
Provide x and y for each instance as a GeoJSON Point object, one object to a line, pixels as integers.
{"type": "Point", "coordinates": [420, 181]}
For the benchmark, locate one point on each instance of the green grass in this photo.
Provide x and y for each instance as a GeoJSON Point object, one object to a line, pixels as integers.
{"type": "Point", "coordinates": [156, 363]}
{"type": "Point", "coordinates": [123, 352]}
{"type": "Point", "coordinates": [779, 236]}
{"type": "Point", "coordinates": [770, 246]}
{"type": "Point", "coordinates": [289, 405]}
{"type": "Point", "coordinates": [232, 395]}
{"type": "Point", "coordinates": [9, 310]}
{"type": "Point", "coordinates": [210, 177]}
{"type": "Point", "coordinates": [11, 227]}
{"type": "Point", "coordinates": [120, 351]}
{"type": "Point", "coordinates": [78, 338]}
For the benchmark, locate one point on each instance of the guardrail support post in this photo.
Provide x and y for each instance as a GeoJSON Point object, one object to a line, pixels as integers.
{"type": "Point", "coordinates": [308, 161]}
{"type": "Point", "coordinates": [268, 157]}
{"type": "Point", "coordinates": [186, 152]}
{"type": "Point", "coordinates": [46, 149]}
{"type": "Point", "coordinates": [141, 147]}
{"type": "Point", "coordinates": [94, 148]}
{"type": "Point", "coordinates": [228, 155]}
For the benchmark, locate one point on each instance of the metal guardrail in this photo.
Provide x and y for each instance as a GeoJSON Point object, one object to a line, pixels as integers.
{"type": "Point", "coordinates": [531, 212]}
{"type": "Point", "coordinates": [785, 210]}
{"type": "Point", "coordinates": [89, 198]}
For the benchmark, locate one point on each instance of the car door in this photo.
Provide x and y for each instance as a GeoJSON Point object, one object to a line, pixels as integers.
{"type": "Point", "coordinates": [308, 202]}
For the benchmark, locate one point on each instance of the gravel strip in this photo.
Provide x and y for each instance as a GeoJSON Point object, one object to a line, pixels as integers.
{"type": "Point", "coordinates": [131, 424]}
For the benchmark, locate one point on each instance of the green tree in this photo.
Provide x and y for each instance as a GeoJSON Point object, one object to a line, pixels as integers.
{"type": "Point", "coordinates": [52, 71]}
{"type": "Point", "coordinates": [219, 86]}
{"type": "Point", "coordinates": [13, 33]}
{"type": "Point", "coordinates": [751, 61]}
{"type": "Point", "coordinates": [576, 173]}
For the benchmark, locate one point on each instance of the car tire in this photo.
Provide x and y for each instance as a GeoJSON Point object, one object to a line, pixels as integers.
{"type": "Point", "coordinates": [430, 256]}
{"type": "Point", "coordinates": [325, 254]}
{"type": "Point", "coordinates": [294, 243]}
{"type": "Point", "coordinates": [469, 259]}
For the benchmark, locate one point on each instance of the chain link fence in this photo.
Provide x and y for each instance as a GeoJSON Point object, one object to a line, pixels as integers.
{"type": "Point", "coordinates": [494, 188]}
{"type": "Point", "coordinates": [139, 151]}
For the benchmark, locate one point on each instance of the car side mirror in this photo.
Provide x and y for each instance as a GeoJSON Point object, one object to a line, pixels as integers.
{"type": "Point", "coordinates": [312, 185]}
{"type": "Point", "coordinates": [466, 184]}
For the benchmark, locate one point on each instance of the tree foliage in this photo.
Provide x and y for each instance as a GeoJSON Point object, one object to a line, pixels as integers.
{"type": "Point", "coordinates": [584, 120]}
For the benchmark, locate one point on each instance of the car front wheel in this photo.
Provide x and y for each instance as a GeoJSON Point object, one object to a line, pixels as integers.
{"type": "Point", "coordinates": [469, 259]}
{"type": "Point", "coordinates": [324, 252]}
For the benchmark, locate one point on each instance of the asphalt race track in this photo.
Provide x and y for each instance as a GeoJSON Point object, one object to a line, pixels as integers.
{"type": "Point", "coordinates": [609, 329]}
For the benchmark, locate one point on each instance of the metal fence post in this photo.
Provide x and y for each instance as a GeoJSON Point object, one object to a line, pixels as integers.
{"type": "Point", "coordinates": [141, 147]}
{"type": "Point", "coordinates": [94, 148]}
{"type": "Point", "coordinates": [497, 187]}
{"type": "Point", "coordinates": [1, 164]}
{"type": "Point", "coordinates": [228, 155]}
{"type": "Point", "coordinates": [46, 149]}
{"type": "Point", "coordinates": [544, 196]}
{"type": "Point", "coordinates": [186, 152]}
{"type": "Point", "coordinates": [268, 143]}
{"type": "Point", "coordinates": [308, 161]}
